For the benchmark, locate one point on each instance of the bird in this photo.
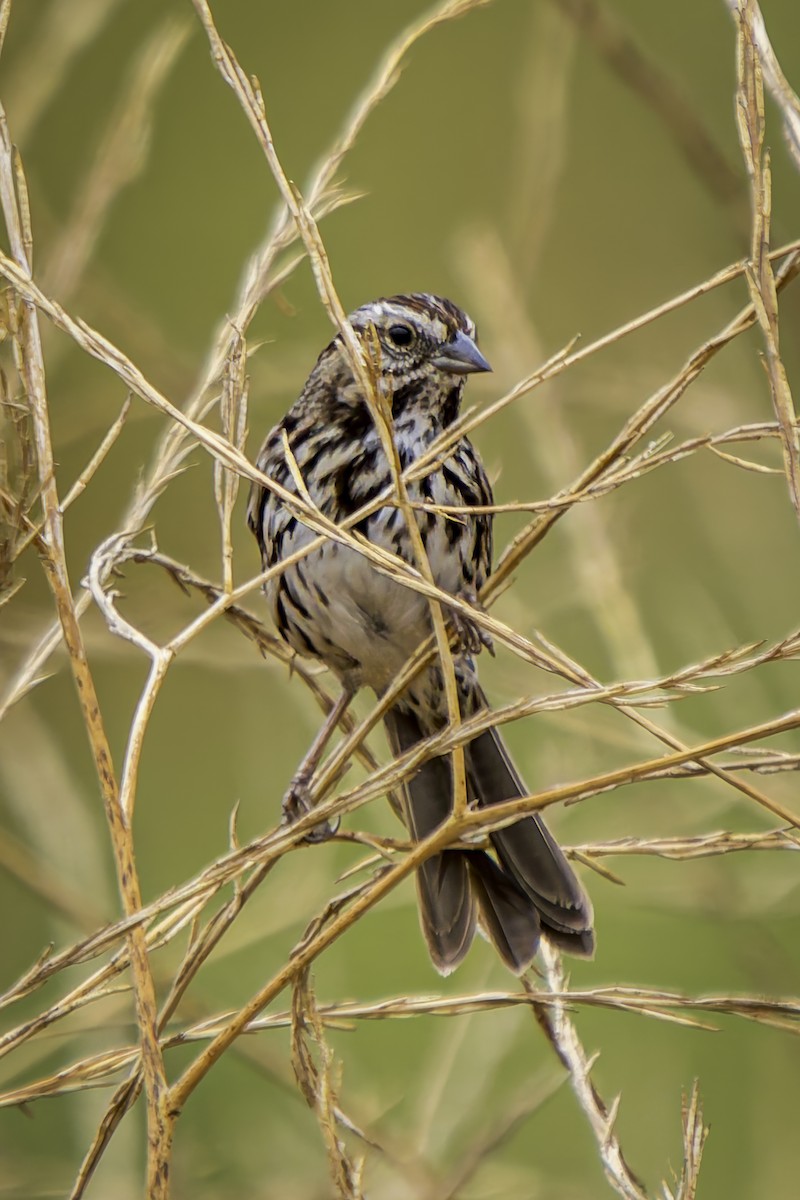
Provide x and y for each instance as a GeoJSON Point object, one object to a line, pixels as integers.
{"type": "Point", "coordinates": [335, 607]}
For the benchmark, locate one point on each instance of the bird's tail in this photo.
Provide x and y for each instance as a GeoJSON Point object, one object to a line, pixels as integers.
{"type": "Point", "coordinates": [528, 852]}
{"type": "Point", "coordinates": [446, 907]}
{"type": "Point", "coordinates": [532, 888]}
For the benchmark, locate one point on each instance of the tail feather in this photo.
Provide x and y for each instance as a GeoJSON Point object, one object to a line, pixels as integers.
{"type": "Point", "coordinates": [447, 911]}
{"type": "Point", "coordinates": [533, 889]}
{"type": "Point", "coordinates": [529, 852]}
{"type": "Point", "coordinates": [507, 915]}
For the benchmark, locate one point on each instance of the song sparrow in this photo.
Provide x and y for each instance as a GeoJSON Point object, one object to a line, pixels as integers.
{"type": "Point", "coordinates": [334, 606]}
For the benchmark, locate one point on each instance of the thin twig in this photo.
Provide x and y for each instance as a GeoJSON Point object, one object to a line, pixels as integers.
{"type": "Point", "coordinates": [563, 1036]}
{"type": "Point", "coordinates": [55, 568]}
{"type": "Point", "coordinates": [760, 276]}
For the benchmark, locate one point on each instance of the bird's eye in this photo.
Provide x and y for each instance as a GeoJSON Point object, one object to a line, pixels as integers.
{"type": "Point", "coordinates": [401, 335]}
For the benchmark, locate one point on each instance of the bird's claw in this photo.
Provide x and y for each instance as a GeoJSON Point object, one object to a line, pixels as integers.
{"type": "Point", "coordinates": [297, 803]}
{"type": "Point", "coordinates": [471, 637]}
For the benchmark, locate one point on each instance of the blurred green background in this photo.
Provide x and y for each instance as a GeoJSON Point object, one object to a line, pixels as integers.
{"type": "Point", "coordinates": [513, 169]}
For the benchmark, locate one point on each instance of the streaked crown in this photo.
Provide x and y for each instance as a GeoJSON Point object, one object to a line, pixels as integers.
{"type": "Point", "coordinates": [419, 333]}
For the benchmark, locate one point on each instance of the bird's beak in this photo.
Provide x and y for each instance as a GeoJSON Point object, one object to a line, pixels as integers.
{"type": "Point", "coordinates": [460, 357]}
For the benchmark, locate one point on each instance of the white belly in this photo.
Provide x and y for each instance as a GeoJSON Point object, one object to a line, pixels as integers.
{"type": "Point", "coordinates": [363, 623]}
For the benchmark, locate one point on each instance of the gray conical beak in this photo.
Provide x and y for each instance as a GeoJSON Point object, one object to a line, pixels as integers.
{"type": "Point", "coordinates": [460, 357]}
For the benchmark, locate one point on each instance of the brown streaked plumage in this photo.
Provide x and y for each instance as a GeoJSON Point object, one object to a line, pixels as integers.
{"type": "Point", "coordinates": [335, 607]}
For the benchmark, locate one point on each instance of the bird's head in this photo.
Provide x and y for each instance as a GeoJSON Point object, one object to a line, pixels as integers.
{"type": "Point", "coordinates": [420, 336]}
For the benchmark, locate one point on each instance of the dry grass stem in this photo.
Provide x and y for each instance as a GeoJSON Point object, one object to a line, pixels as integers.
{"type": "Point", "coordinates": [32, 373]}
{"type": "Point", "coordinates": [315, 1077]}
{"type": "Point", "coordinates": [365, 365]}
{"type": "Point", "coordinates": [561, 1032]}
{"type": "Point", "coordinates": [750, 20]}
{"type": "Point", "coordinates": [760, 276]}
{"type": "Point", "coordinates": [690, 1012]}
{"type": "Point", "coordinates": [695, 1133]}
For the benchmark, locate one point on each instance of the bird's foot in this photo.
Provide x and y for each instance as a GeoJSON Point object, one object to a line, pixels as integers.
{"type": "Point", "coordinates": [297, 803]}
{"type": "Point", "coordinates": [471, 637]}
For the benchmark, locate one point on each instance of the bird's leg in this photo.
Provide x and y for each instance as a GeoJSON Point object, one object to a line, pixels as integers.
{"type": "Point", "coordinates": [297, 799]}
{"type": "Point", "coordinates": [470, 637]}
